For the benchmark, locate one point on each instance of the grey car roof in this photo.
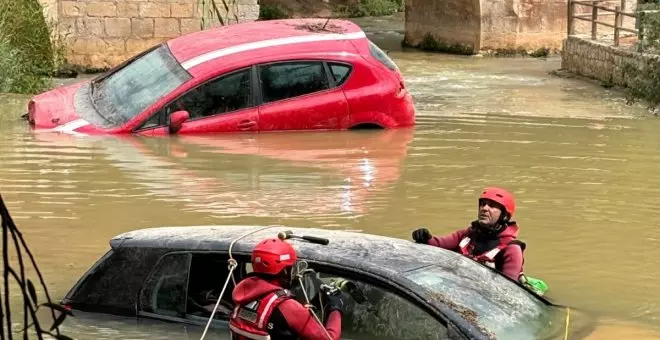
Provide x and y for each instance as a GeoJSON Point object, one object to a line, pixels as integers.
{"type": "Point", "coordinates": [367, 252]}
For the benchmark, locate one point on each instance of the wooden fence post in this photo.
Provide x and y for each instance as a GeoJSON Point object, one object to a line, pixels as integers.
{"type": "Point", "coordinates": [571, 10]}
{"type": "Point", "coordinates": [594, 19]}
{"type": "Point", "coordinates": [640, 31]}
{"type": "Point", "coordinates": [617, 24]}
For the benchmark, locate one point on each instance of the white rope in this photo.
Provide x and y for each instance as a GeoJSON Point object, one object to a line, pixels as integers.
{"type": "Point", "coordinates": [232, 265]}
{"type": "Point", "coordinates": [311, 311]}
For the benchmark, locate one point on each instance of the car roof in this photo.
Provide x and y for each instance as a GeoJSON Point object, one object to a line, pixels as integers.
{"type": "Point", "coordinates": [244, 37]}
{"type": "Point", "coordinates": [366, 252]}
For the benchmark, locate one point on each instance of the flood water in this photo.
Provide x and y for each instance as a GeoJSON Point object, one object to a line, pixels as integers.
{"type": "Point", "coordinates": [582, 164]}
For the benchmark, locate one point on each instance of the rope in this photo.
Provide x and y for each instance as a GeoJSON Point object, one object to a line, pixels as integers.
{"type": "Point", "coordinates": [232, 265]}
{"type": "Point", "coordinates": [568, 313]}
{"type": "Point", "coordinates": [311, 311]}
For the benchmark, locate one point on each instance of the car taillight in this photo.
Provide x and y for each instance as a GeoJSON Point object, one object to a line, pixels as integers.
{"type": "Point", "coordinates": [30, 114]}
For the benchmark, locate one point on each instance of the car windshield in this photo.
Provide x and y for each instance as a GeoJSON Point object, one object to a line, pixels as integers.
{"type": "Point", "coordinates": [501, 307]}
{"type": "Point", "coordinates": [130, 90]}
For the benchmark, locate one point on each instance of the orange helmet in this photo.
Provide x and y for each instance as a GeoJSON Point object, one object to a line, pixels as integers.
{"type": "Point", "coordinates": [273, 255]}
{"type": "Point", "coordinates": [502, 197]}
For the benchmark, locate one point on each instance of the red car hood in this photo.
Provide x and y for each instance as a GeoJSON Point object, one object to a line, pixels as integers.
{"type": "Point", "coordinates": [53, 108]}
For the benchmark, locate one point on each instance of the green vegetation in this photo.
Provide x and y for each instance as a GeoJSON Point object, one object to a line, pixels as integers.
{"type": "Point", "coordinates": [28, 55]}
{"type": "Point", "coordinates": [370, 8]}
{"type": "Point", "coordinates": [541, 52]}
{"type": "Point", "coordinates": [429, 43]}
{"type": "Point", "coordinates": [643, 75]}
{"type": "Point", "coordinates": [272, 12]}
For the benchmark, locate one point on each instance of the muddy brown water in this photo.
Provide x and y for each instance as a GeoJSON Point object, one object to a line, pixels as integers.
{"type": "Point", "coordinates": [582, 164]}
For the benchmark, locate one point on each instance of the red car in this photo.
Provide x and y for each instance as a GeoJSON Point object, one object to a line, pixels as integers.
{"type": "Point", "coordinates": [295, 74]}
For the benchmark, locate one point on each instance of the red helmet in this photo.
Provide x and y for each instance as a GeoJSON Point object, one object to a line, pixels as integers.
{"type": "Point", "coordinates": [502, 197]}
{"type": "Point", "coordinates": [271, 256]}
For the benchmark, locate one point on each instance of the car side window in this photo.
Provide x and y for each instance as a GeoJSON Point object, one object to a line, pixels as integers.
{"type": "Point", "coordinates": [291, 79]}
{"type": "Point", "coordinates": [225, 94]}
{"type": "Point", "coordinates": [165, 290]}
{"type": "Point", "coordinates": [208, 274]}
{"type": "Point", "coordinates": [382, 314]}
{"type": "Point", "coordinates": [340, 72]}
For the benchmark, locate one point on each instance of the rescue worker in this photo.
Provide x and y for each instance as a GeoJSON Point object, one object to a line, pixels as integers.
{"type": "Point", "coordinates": [491, 239]}
{"type": "Point", "coordinates": [266, 309]}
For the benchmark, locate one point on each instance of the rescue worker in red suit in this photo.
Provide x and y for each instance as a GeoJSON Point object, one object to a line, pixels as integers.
{"type": "Point", "coordinates": [265, 309]}
{"type": "Point", "coordinates": [491, 239]}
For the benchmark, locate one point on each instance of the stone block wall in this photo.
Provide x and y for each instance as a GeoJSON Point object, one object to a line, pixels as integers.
{"type": "Point", "coordinates": [524, 24]}
{"type": "Point", "coordinates": [600, 60]}
{"type": "Point", "coordinates": [104, 33]}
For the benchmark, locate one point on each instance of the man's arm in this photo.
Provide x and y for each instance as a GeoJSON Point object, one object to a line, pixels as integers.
{"type": "Point", "coordinates": [513, 261]}
{"type": "Point", "coordinates": [450, 241]}
{"type": "Point", "coordinates": [305, 325]}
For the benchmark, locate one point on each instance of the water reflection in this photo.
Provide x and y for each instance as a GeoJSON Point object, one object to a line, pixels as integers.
{"type": "Point", "coordinates": [263, 175]}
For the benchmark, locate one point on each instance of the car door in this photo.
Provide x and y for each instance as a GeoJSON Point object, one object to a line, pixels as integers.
{"type": "Point", "coordinates": [300, 95]}
{"type": "Point", "coordinates": [222, 104]}
{"type": "Point", "coordinates": [185, 286]}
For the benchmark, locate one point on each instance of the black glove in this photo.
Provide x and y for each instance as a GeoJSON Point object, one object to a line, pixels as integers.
{"type": "Point", "coordinates": [333, 301]}
{"type": "Point", "coordinates": [421, 235]}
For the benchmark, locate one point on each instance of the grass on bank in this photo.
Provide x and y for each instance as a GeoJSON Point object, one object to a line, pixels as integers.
{"type": "Point", "coordinates": [644, 78]}
{"type": "Point", "coordinates": [28, 55]}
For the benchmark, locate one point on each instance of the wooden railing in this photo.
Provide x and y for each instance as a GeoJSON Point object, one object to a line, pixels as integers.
{"type": "Point", "coordinates": [618, 12]}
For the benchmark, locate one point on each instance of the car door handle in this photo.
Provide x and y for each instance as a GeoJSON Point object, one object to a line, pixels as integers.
{"type": "Point", "coordinates": [246, 124]}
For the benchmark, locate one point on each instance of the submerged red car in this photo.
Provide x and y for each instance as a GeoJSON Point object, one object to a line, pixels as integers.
{"type": "Point", "coordinates": [294, 74]}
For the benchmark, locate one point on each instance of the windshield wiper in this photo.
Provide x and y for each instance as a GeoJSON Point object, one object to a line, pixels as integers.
{"type": "Point", "coordinates": [92, 86]}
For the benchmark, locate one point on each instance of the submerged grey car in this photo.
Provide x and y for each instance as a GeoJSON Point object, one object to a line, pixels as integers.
{"type": "Point", "coordinates": [404, 290]}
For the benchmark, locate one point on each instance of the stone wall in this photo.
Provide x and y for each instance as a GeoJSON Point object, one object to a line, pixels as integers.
{"type": "Point", "coordinates": [449, 22]}
{"type": "Point", "coordinates": [600, 60]}
{"type": "Point", "coordinates": [103, 34]}
{"type": "Point", "coordinates": [501, 24]}
{"type": "Point", "coordinates": [526, 24]}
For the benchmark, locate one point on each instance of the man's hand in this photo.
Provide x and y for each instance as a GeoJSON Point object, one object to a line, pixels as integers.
{"type": "Point", "coordinates": [333, 299]}
{"type": "Point", "coordinates": [421, 235]}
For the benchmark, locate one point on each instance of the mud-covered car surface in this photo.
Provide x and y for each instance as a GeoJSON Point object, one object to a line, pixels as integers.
{"type": "Point", "coordinates": [411, 291]}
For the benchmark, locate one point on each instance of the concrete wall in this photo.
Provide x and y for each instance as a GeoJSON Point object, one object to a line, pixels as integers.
{"type": "Point", "coordinates": [599, 60]}
{"type": "Point", "coordinates": [528, 24]}
{"type": "Point", "coordinates": [500, 24]}
{"type": "Point", "coordinates": [448, 21]}
{"type": "Point", "coordinates": [103, 34]}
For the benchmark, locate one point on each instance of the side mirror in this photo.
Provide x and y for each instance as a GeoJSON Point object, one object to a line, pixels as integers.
{"type": "Point", "coordinates": [176, 120]}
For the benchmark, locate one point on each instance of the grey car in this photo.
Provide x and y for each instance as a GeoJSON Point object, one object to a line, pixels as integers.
{"type": "Point", "coordinates": [401, 290]}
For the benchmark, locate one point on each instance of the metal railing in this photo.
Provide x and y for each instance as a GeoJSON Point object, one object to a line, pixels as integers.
{"type": "Point", "coordinates": [618, 12]}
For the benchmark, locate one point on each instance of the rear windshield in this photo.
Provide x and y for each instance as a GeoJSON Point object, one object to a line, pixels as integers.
{"type": "Point", "coordinates": [502, 307]}
{"type": "Point", "coordinates": [381, 56]}
{"type": "Point", "coordinates": [139, 84]}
